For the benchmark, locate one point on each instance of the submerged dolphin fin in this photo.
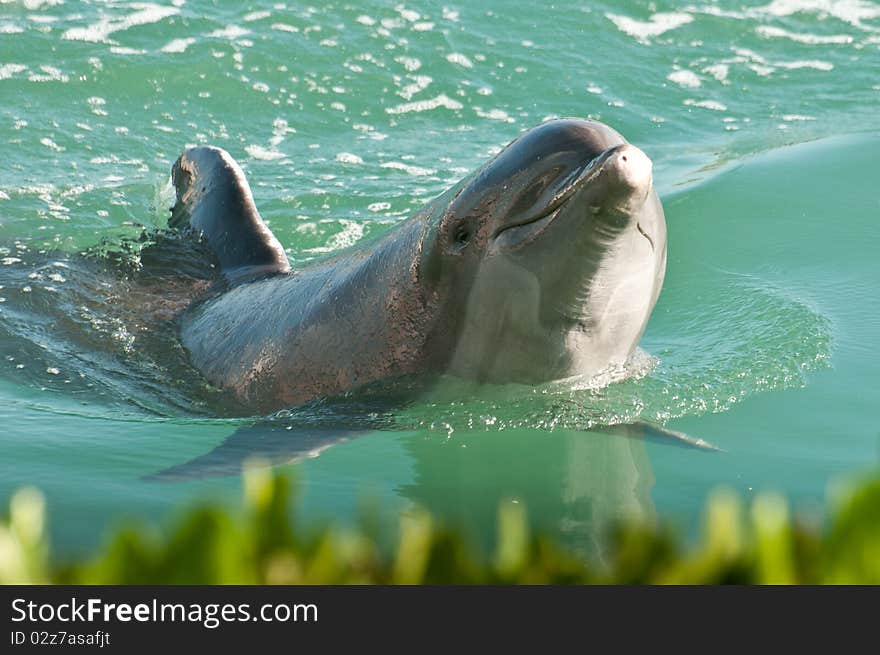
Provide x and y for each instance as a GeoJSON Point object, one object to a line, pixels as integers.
{"type": "Point", "coordinates": [652, 432]}
{"type": "Point", "coordinates": [271, 443]}
{"type": "Point", "coordinates": [213, 197]}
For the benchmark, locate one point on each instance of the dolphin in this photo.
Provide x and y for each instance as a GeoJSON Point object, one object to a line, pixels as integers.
{"type": "Point", "coordinates": [542, 265]}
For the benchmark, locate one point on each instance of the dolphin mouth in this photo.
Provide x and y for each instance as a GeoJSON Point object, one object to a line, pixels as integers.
{"type": "Point", "coordinates": [577, 179]}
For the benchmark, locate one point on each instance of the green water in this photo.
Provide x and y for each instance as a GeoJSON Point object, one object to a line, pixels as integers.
{"type": "Point", "coordinates": [763, 124]}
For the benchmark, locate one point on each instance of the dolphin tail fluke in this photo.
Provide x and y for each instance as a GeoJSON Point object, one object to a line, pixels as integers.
{"type": "Point", "coordinates": [214, 198]}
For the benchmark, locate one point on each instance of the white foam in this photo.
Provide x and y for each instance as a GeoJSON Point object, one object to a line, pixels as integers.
{"type": "Point", "coordinates": [409, 63]}
{"type": "Point", "coordinates": [30, 5]}
{"type": "Point", "coordinates": [121, 50]}
{"type": "Point", "coordinates": [351, 234]}
{"type": "Point", "coordinates": [658, 24]}
{"type": "Point", "coordinates": [706, 104]}
{"type": "Point", "coordinates": [718, 71]}
{"type": "Point", "coordinates": [266, 154]}
{"type": "Point", "coordinates": [494, 114]}
{"type": "Point", "coordinates": [420, 83]}
{"type": "Point", "coordinates": [750, 55]}
{"type": "Point", "coordinates": [42, 19]}
{"type": "Point", "coordinates": [230, 32]}
{"type": "Point", "coordinates": [409, 14]}
{"type": "Point", "coordinates": [8, 70]}
{"type": "Point", "coordinates": [459, 59]}
{"type": "Point", "coordinates": [391, 23]}
{"type": "Point", "coordinates": [684, 78]}
{"type": "Point", "coordinates": [284, 27]}
{"type": "Point", "coordinates": [853, 12]}
{"type": "Point", "coordinates": [761, 70]}
{"type": "Point", "coordinates": [280, 130]}
{"type": "Point", "coordinates": [116, 161]}
{"type": "Point", "coordinates": [769, 31]}
{"type": "Point", "coordinates": [806, 63]}
{"type": "Point", "coordinates": [256, 15]}
{"type": "Point", "coordinates": [412, 170]}
{"type": "Point", "coordinates": [763, 67]}
{"type": "Point", "coordinates": [96, 105]}
{"type": "Point", "coordinates": [49, 143]}
{"type": "Point", "coordinates": [425, 105]}
{"type": "Point", "coordinates": [379, 206]}
{"type": "Point", "coordinates": [348, 158]}
{"type": "Point", "coordinates": [98, 32]}
{"type": "Point", "coordinates": [178, 45]}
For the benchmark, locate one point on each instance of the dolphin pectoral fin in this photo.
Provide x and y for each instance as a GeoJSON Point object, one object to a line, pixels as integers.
{"type": "Point", "coordinates": [653, 432]}
{"type": "Point", "coordinates": [272, 443]}
{"type": "Point", "coordinates": [214, 198]}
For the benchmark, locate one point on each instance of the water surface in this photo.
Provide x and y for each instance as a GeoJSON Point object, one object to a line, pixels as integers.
{"type": "Point", "coordinates": [763, 126]}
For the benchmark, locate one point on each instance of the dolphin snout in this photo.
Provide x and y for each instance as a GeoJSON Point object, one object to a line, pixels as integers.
{"type": "Point", "coordinates": [631, 166]}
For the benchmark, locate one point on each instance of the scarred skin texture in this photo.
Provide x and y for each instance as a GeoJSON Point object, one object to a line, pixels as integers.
{"type": "Point", "coordinates": [545, 263]}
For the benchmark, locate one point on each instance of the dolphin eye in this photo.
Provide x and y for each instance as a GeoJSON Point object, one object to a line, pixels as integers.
{"type": "Point", "coordinates": [462, 235]}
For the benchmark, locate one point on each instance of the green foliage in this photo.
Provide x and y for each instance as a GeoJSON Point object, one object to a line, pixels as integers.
{"type": "Point", "coordinates": [759, 544]}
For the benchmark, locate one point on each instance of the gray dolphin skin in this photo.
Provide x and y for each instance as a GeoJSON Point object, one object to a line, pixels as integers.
{"type": "Point", "coordinates": [544, 264]}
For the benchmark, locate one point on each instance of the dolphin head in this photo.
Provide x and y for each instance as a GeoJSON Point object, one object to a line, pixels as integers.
{"type": "Point", "coordinates": [554, 253]}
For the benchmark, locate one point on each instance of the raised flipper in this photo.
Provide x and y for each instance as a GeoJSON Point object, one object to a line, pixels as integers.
{"type": "Point", "coordinates": [213, 197]}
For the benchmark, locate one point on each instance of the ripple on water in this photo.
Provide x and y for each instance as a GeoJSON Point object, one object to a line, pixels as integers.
{"type": "Point", "coordinates": [658, 24]}
{"type": "Point", "coordinates": [750, 339]}
{"type": "Point", "coordinates": [104, 27]}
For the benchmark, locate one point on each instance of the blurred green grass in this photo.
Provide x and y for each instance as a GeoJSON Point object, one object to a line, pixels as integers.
{"type": "Point", "coordinates": [759, 543]}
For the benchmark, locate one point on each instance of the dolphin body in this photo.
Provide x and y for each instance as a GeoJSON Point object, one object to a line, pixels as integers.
{"type": "Point", "coordinates": [544, 264]}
